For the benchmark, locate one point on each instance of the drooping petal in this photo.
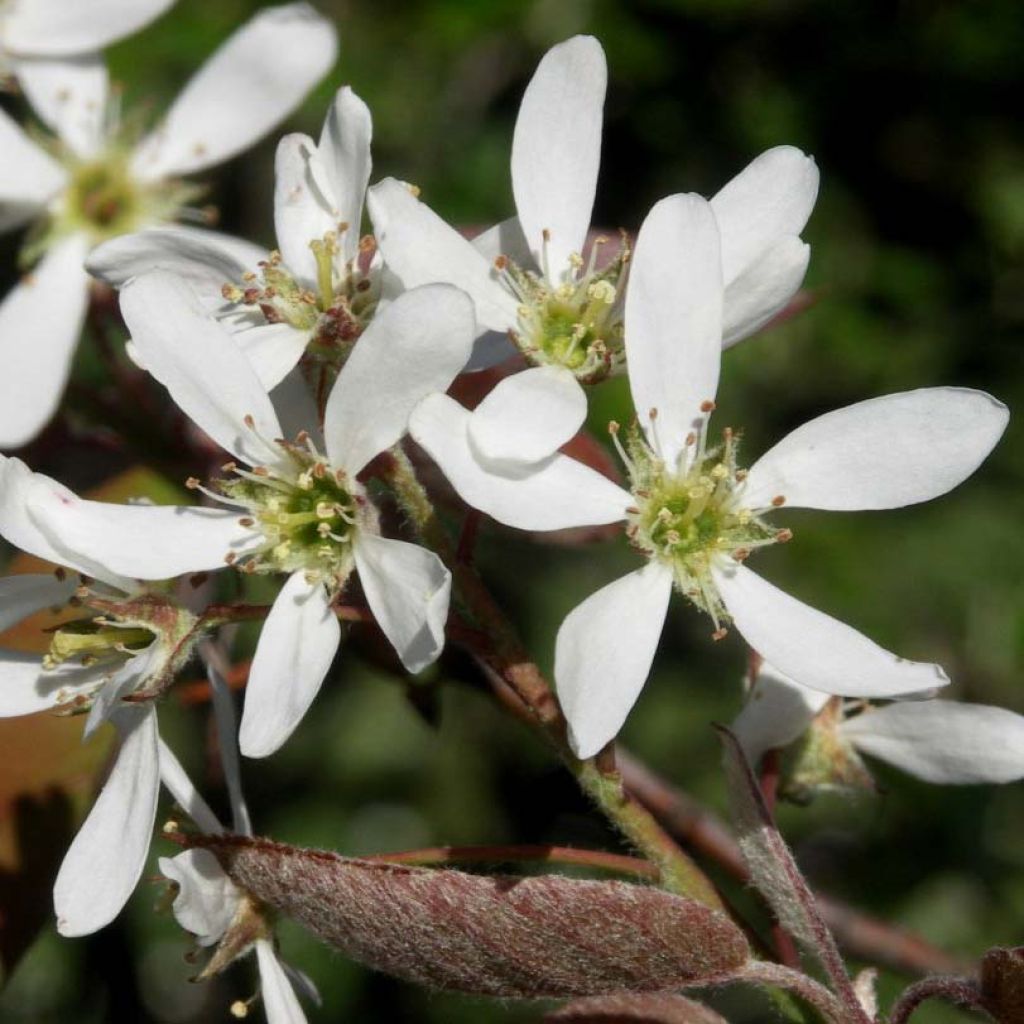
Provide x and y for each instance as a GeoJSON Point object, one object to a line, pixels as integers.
{"type": "Point", "coordinates": [29, 176]}
{"type": "Point", "coordinates": [40, 321]}
{"type": "Point", "coordinates": [554, 494]}
{"type": "Point", "coordinates": [407, 588]}
{"type": "Point", "coordinates": [674, 320]}
{"type": "Point", "coordinates": [207, 260]}
{"type": "Point", "coordinates": [345, 155]}
{"type": "Point", "coordinates": [279, 999]}
{"type": "Point", "coordinates": [201, 365]}
{"type": "Point", "coordinates": [771, 197]}
{"type": "Point", "coordinates": [777, 711]}
{"type": "Point", "coordinates": [296, 647]}
{"type": "Point", "coordinates": [70, 96]}
{"type": "Point", "coordinates": [556, 150]}
{"type": "Point", "coordinates": [256, 78]}
{"type": "Point", "coordinates": [813, 648]}
{"type": "Point", "coordinates": [764, 288]}
{"type": "Point", "coordinates": [942, 741]}
{"type": "Point", "coordinates": [883, 453]}
{"type": "Point", "coordinates": [422, 249]}
{"type": "Point", "coordinates": [27, 593]}
{"type": "Point", "coordinates": [26, 688]}
{"type": "Point", "coordinates": [528, 416]}
{"type": "Point", "coordinates": [185, 794]}
{"type": "Point", "coordinates": [273, 350]}
{"type": "Point", "coordinates": [411, 349]}
{"type": "Point", "coordinates": [302, 210]}
{"type": "Point", "coordinates": [59, 28]}
{"type": "Point", "coordinates": [604, 651]}
{"type": "Point", "coordinates": [107, 856]}
{"type": "Point", "coordinates": [207, 899]}
{"type": "Point", "coordinates": [227, 730]}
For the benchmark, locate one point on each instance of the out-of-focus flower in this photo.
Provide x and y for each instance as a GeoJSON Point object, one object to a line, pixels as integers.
{"type": "Point", "coordinates": [91, 184]}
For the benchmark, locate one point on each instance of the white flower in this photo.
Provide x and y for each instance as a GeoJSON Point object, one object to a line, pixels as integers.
{"type": "Point", "coordinates": [98, 186]}
{"type": "Point", "coordinates": [692, 512]}
{"type": "Point", "coordinates": [527, 276]}
{"type": "Point", "coordinates": [935, 740]}
{"type": "Point", "coordinates": [43, 32]}
{"type": "Point", "coordinates": [318, 289]}
{"type": "Point", "coordinates": [294, 510]}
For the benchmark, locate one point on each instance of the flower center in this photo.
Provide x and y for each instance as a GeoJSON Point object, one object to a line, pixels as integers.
{"type": "Point", "coordinates": [693, 519]}
{"type": "Point", "coordinates": [576, 324]}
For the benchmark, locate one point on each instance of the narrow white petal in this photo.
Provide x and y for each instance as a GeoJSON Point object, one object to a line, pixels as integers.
{"type": "Point", "coordinates": [132, 675]}
{"type": "Point", "coordinates": [29, 176]}
{"type": "Point", "coordinates": [40, 321]}
{"type": "Point", "coordinates": [296, 647]}
{"type": "Point", "coordinates": [207, 260]}
{"type": "Point", "coordinates": [422, 249]}
{"type": "Point", "coordinates": [556, 150]}
{"type": "Point", "coordinates": [273, 350]}
{"type": "Point", "coordinates": [227, 732]}
{"type": "Point", "coordinates": [554, 494]}
{"type": "Point", "coordinates": [777, 711]}
{"type": "Point", "coordinates": [411, 349]}
{"type": "Point", "coordinates": [295, 406]}
{"type": "Point", "coordinates": [207, 899]}
{"type": "Point", "coordinates": [58, 28]}
{"type": "Point", "coordinates": [201, 365]}
{"type": "Point", "coordinates": [407, 588]}
{"type": "Point", "coordinates": [107, 856]}
{"type": "Point", "coordinates": [942, 741]}
{"type": "Point", "coordinates": [771, 197]}
{"type": "Point", "coordinates": [28, 593]}
{"type": "Point", "coordinates": [279, 1000]}
{"type": "Point", "coordinates": [813, 648]}
{"type": "Point", "coordinates": [255, 80]}
{"type": "Point", "coordinates": [186, 796]}
{"type": "Point", "coordinates": [26, 688]}
{"type": "Point", "coordinates": [528, 416]}
{"type": "Point", "coordinates": [883, 453]}
{"type": "Point", "coordinates": [302, 209]}
{"type": "Point", "coordinates": [604, 651]}
{"type": "Point", "coordinates": [674, 319]}
{"type": "Point", "coordinates": [70, 96]}
{"type": "Point", "coordinates": [345, 155]}
{"type": "Point", "coordinates": [764, 288]}
{"type": "Point", "coordinates": [504, 239]}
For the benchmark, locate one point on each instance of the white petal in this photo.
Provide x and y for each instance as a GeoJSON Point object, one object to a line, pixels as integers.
{"type": "Point", "coordinates": [942, 741]}
{"type": "Point", "coordinates": [490, 349]}
{"type": "Point", "coordinates": [255, 80]}
{"type": "Point", "coordinates": [70, 97]}
{"type": "Point", "coordinates": [771, 197]}
{"type": "Point", "coordinates": [58, 28]}
{"type": "Point", "coordinates": [422, 249]}
{"type": "Point", "coordinates": [273, 350]}
{"type": "Point", "coordinates": [550, 495]}
{"type": "Point", "coordinates": [407, 588]}
{"type": "Point", "coordinates": [208, 260]}
{"type": "Point", "coordinates": [201, 365]}
{"type": "Point", "coordinates": [777, 712]}
{"type": "Point", "coordinates": [25, 594]}
{"type": "Point", "coordinates": [413, 348]}
{"type": "Point", "coordinates": [296, 647]}
{"type": "Point", "coordinates": [345, 155]}
{"type": "Point", "coordinates": [26, 688]}
{"type": "Point", "coordinates": [764, 288]}
{"type": "Point", "coordinates": [813, 648]}
{"type": "Point", "coordinates": [504, 239]}
{"type": "Point", "coordinates": [40, 321]}
{"type": "Point", "coordinates": [207, 899]}
{"type": "Point", "coordinates": [883, 453]}
{"type": "Point", "coordinates": [132, 675]}
{"type": "Point", "coordinates": [556, 150]}
{"type": "Point", "coordinates": [108, 854]}
{"type": "Point", "coordinates": [604, 651]}
{"type": "Point", "coordinates": [227, 732]}
{"type": "Point", "coordinates": [674, 319]}
{"type": "Point", "coordinates": [302, 211]}
{"type": "Point", "coordinates": [29, 176]}
{"type": "Point", "coordinates": [528, 416]}
{"type": "Point", "coordinates": [296, 408]}
{"type": "Point", "coordinates": [185, 794]}
{"type": "Point", "coordinates": [279, 1000]}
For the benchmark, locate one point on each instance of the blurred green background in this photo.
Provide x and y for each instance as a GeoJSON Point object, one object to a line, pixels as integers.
{"type": "Point", "coordinates": [911, 110]}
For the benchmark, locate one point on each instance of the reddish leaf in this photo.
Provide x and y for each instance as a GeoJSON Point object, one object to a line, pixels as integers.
{"type": "Point", "coordinates": [635, 1008]}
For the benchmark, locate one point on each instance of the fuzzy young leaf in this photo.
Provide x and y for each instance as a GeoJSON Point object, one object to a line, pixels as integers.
{"type": "Point", "coordinates": [509, 937]}
{"type": "Point", "coordinates": [634, 1008]}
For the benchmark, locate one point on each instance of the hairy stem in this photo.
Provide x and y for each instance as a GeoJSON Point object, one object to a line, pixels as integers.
{"type": "Point", "coordinates": [959, 991]}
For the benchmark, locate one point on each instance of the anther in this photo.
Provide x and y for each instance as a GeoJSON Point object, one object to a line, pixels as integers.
{"type": "Point", "coordinates": [720, 634]}
{"type": "Point", "coordinates": [779, 500]}
{"type": "Point", "coordinates": [784, 536]}
{"type": "Point", "coordinates": [707, 406]}
{"type": "Point", "coordinates": [193, 483]}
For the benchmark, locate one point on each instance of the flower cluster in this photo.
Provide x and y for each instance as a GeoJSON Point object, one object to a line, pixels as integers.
{"type": "Point", "coordinates": [303, 369]}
